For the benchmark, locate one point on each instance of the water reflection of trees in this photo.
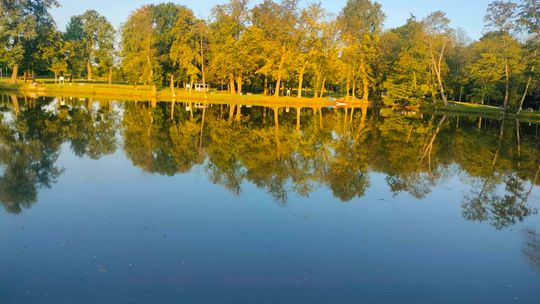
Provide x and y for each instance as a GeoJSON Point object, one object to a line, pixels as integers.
{"type": "Point", "coordinates": [281, 150]}
{"type": "Point", "coordinates": [284, 150]}
{"type": "Point", "coordinates": [32, 132]}
{"type": "Point", "coordinates": [531, 247]}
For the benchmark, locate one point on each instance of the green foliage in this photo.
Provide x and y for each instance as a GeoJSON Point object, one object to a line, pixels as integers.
{"type": "Point", "coordinates": [275, 46]}
{"type": "Point", "coordinates": [410, 75]}
{"type": "Point", "coordinates": [24, 25]}
{"type": "Point", "coordinates": [185, 51]}
{"type": "Point", "coordinates": [360, 24]}
{"type": "Point", "coordinates": [139, 55]}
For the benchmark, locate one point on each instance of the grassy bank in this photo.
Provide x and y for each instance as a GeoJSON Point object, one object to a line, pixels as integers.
{"type": "Point", "coordinates": [467, 109]}
{"type": "Point", "coordinates": [131, 93]}
{"type": "Point", "coordinates": [47, 87]}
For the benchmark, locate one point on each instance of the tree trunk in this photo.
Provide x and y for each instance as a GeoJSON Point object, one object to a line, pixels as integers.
{"type": "Point", "coordinates": [298, 113]}
{"type": "Point", "coordinates": [354, 87]}
{"type": "Point", "coordinates": [301, 79]}
{"type": "Point", "coordinates": [265, 85]}
{"type": "Point", "coordinates": [149, 65]}
{"type": "Point", "coordinates": [239, 83]}
{"type": "Point", "coordinates": [437, 66]}
{"type": "Point", "coordinates": [315, 87]}
{"type": "Point", "coordinates": [16, 106]}
{"type": "Point", "coordinates": [14, 74]}
{"type": "Point", "coordinates": [320, 119]}
{"type": "Point", "coordinates": [276, 128]}
{"type": "Point", "coordinates": [202, 61]}
{"type": "Point", "coordinates": [173, 93]}
{"type": "Point", "coordinates": [191, 82]}
{"type": "Point", "coordinates": [507, 84]}
{"type": "Point", "coordinates": [231, 84]}
{"type": "Point", "coordinates": [231, 112]}
{"type": "Point", "coordinates": [522, 101]}
{"type": "Point", "coordinates": [365, 80]}
{"type": "Point", "coordinates": [322, 87]}
{"type": "Point", "coordinates": [110, 76]}
{"type": "Point", "coordinates": [89, 70]}
{"type": "Point", "coordinates": [238, 113]}
{"type": "Point", "coordinates": [280, 71]}
{"type": "Point", "coordinates": [348, 86]}
{"type": "Point", "coordinates": [354, 82]}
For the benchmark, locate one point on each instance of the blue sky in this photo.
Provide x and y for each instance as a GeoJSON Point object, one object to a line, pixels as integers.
{"type": "Point", "coordinates": [467, 14]}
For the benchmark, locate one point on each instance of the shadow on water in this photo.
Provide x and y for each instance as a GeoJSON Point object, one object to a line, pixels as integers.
{"type": "Point", "coordinates": [281, 150]}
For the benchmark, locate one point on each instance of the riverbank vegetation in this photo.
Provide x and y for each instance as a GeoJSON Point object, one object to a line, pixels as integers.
{"type": "Point", "coordinates": [284, 48]}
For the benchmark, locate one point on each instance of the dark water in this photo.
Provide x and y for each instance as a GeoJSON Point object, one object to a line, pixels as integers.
{"type": "Point", "coordinates": [111, 202]}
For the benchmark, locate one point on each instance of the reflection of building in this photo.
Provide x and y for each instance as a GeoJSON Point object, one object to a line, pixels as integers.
{"type": "Point", "coordinates": [199, 87]}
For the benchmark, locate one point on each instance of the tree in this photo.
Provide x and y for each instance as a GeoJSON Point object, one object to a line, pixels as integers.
{"type": "Point", "coordinates": [227, 29]}
{"type": "Point", "coordinates": [73, 36]}
{"type": "Point", "coordinates": [56, 53]}
{"type": "Point", "coordinates": [147, 39]}
{"type": "Point", "coordinates": [361, 23]}
{"type": "Point", "coordinates": [529, 20]}
{"type": "Point", "coordinates": [326, 65]}
{"type": "Point", "coordinates": [95, 35]}
{"type": "Point", "coordinates": [165, 16]}
{"type": "Point", "coordinates": [438, 37]}
{"type": "Point", "coordinates": [310, 31]}
{"type": "Point", "coordinates": [496, 53]}
{"type": "Point", "coordinates": [409, 77]}
{"type": "Point", "coordinates": [21, 22]}
{"type": "Point", "coordinates": [185, 50]}
{"type": "Point", "coordinates": [278, 23]}
{"type": "Point", "coordinates": [501, 18]}
{"type": "Point", "coordinates": [138, 53]}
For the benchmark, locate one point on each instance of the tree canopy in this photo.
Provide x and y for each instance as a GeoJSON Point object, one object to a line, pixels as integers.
{"type": "Point", "coordinates": [287, 47]}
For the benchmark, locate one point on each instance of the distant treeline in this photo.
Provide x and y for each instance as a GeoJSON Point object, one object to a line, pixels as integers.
{"type": "Point", "coordinates": [286, 48]}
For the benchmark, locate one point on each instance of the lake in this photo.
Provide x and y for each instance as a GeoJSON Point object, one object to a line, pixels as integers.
{"type": "Point", "coordinates": [107, 201]}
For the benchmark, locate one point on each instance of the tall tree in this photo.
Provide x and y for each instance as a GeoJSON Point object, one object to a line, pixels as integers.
{"type": "Point", "coordinates": [21, 22]}
{"type": "Point", "coordinates": [95, 35]}
{"type": "Point", "coordinates": [56, 53]}
{"type": "Point", "coordinates": [227, 29]}
{"type": "Point", "coordinates": [73, 36]}
{"type": "Point", "coordinates": [310, 30]}
{"type": "Point", "coordinates": [409, 77]}
{"type": "Point", "coordinates": [147, 39]}
{"type": "Point", "coordinates": [279, 23]}
{"type": "Point", "coordinates": [165, 16]}
{"type": "Point", "coordinates": [438, 37]}
{"type": "Point", "coordinates": [185, 51]}
{"type": "Point", "coordinates": [529, 20]}
{"type": "Point", "coordinates": [138, 53]}
{"type": "Point", "coordinates": [501, 18]}
{"type": "Point", "coordinates": [361, 25]}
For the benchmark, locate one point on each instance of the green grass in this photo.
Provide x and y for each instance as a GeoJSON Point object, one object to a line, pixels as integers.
{"type": "Point", "coordinates": [47, 87]}
{"type": "Point", "coordinates": [463, 108]}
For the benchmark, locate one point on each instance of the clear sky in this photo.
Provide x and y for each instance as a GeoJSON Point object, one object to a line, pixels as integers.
{"type": "Point", "coordinates": [467, 14]}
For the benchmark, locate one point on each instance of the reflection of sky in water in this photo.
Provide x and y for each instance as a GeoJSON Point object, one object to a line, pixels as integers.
{"type": "Point", "coordinates": [107, 231]}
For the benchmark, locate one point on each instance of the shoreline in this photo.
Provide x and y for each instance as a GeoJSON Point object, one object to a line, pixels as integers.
{"type": "Point", "coordinates": [145, 93]}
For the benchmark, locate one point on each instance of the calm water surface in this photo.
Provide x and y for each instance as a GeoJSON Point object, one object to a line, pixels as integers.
{"type": "Point", "coordinates": [147, 202]}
